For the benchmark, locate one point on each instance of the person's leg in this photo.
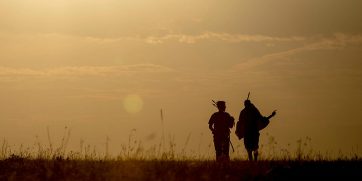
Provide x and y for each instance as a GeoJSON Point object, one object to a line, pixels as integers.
{"type": "Point", "coordinates": [218, 148]}
{"type": "Point", "coordinates": [248, 148]}
{"type": "Point", "coordinates": [256, 155]}
{"type": "Point", "coordinates": [256, 146]}
{"type": "Point", "coordinates": [250, 156]}
{"type": "Point", "coordinates": [226, 147]}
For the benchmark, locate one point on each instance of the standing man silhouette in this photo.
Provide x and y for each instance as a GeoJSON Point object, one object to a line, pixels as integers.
{"type": "Point", "coordinates": [248, 126]}
{"type": "Point", "coordinates": [220, 124]}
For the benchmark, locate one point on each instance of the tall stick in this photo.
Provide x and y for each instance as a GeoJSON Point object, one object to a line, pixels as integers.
{"type": "Point", "coordinates": [214, 103]}
{"type": "Point", "coordinates": [163, 131]}
{"type": "Point", "coordinates": [232, 145]}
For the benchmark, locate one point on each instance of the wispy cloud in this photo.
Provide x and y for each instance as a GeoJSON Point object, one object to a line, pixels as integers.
{"type": "Point", "coordinates": [178, 37]}
{"type": "Point", "coordinates": [226, 37]}
{"type": "Point", "coordinates": [337, 41]}
{"type": "Point", "coordinates": [86, 70]}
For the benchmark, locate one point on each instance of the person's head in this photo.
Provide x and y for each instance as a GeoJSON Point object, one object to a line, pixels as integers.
{"type": "Point", "coordinates": [247, 103]}
{"type": "Point", "coordinates": [221, 106]}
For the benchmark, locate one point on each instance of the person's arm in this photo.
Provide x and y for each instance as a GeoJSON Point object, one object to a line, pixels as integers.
{"type": "Point", "coordinates": [211, 123]}
{"type": "Point", "coordinates": [272, 114]}
{"type": "Point", "coordinates": [232, 122]}
{"type": "Point", "coordinates": [211, 127]}
{"type": "Point", "coordinates": [240, 115]}
{"type": "Point", "coordinates": [257, 113]}
{"type": "Point", "coordinates": [239, 131]}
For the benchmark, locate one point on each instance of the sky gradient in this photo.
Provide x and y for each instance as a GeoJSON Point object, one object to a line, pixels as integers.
{"type": "Point", "coordinates": [105, 67]}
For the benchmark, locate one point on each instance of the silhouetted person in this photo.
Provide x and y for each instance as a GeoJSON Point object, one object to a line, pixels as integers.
{"type": "Point", "coordinates": [248, 126]}
{"type": "Point", "coordinates": [220, 124]}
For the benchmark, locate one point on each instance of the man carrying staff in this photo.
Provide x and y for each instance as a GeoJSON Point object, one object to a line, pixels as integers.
{"type": "Point", "coordinates": [248, 126]}
{"type": "Point", "coordinates": [220, 124]}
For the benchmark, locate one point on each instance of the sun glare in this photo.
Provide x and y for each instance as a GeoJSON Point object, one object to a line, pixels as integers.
{"type": "Point", "coordinates": [133, 103]}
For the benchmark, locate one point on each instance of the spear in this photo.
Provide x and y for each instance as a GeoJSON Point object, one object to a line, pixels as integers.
{"type": "Point", "coordinates": [214, 103]}
{"type": "Point", "coordinates": [232, 145]}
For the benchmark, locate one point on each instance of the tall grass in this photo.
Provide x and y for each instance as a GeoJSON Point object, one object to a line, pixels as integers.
{"type": "Point", "coordinates": [134, 149]}
{"type": "Point", "coordinates": [164, 162]}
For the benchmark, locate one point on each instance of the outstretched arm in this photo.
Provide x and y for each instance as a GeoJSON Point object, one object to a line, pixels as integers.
{"type": "Point", "coordinates": [272, 114]}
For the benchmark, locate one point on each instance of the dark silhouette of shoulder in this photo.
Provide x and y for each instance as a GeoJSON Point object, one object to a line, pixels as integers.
{"type": "Point", "coordinates": [222, 119]}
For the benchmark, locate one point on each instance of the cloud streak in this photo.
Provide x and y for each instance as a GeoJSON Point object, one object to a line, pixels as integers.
{"type": "Point", "coordinates": [87, 70]}
{"type": "Point", "coordinates": [171, 37]}
{"type": "Point", "coordinates": [337, 41]}
{"type": "Point", "coordinates": [224, 37]}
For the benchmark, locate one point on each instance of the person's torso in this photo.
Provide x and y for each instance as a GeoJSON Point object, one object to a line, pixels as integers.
{"type": "Point", "coordinates": [222, 122]}
{"type": "Point", "coordinates": [251, 121]}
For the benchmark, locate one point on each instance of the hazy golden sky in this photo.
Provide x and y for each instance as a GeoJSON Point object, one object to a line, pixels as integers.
{"type": "Point", "coordinates": [105, 67]}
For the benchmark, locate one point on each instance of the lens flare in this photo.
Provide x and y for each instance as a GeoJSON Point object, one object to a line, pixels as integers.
{"type": "Point", "coordinates": [133, 103]}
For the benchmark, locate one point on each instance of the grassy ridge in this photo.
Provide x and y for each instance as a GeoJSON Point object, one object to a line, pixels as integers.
{"type": "Point", "coordinates": [163, 162]}
{"type": "Point", "coordinates": [59, 169]}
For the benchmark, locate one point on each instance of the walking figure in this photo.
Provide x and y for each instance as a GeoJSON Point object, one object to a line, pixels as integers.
{"type": "Point", "coordinates": [248, 126]}
{"type": "Point", "coordinates": [220, 124]}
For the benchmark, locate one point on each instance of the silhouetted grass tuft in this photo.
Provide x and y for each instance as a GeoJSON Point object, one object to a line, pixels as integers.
{"type": "Point", "coordinates": [163, 162]}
